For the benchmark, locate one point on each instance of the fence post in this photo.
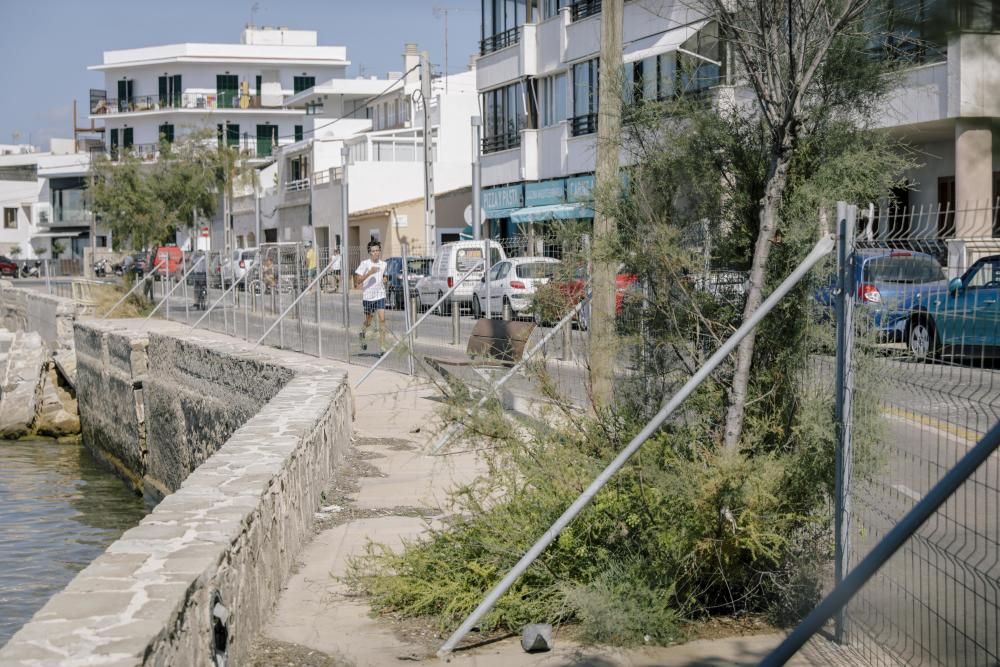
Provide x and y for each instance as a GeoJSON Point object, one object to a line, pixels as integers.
{"type": "Point", "coordinates": [846, 217]}
{"type": "Point", "coordinates": [48, 283]}
{"type": "Point", "coordinates": [187, 304]}
{"type": "Point", "coordinates": [404, 246]}
{"type": "Point", "coordinates": [456, 322]}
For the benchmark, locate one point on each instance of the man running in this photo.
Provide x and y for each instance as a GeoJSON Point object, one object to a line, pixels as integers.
{"type": "Point", "coordinates": [370, 276]}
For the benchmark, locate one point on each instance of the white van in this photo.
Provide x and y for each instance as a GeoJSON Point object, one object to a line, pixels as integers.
{"type": "Point", "coordinates": [453, 260]}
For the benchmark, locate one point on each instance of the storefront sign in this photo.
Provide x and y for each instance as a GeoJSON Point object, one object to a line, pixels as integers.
{"type": "Point", "coordinates": [500, 199]}
{"type": "Point", "coordinates": [545, 193]}
{"type": "Point", "coordinates": [580, 188]}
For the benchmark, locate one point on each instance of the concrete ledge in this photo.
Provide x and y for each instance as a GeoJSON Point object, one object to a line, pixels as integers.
{"type": "Point", "coordinates": [52, 317]}
{"type": "Point", "coordinates": [209, 560]}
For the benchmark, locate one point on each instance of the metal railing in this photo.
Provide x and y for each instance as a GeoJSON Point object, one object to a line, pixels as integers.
{"type": "Point", "coordinates": [585, 124]}
{"type": "Point", "coordinates": [581, 9]}
{"type": "Point", "coordinates": [501, 40]}
{"type": "Point", "coordinates": [137, 285]}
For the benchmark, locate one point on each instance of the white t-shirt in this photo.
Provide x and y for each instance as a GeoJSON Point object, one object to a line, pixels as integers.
{"type": "Point", "coordinates": [373, 286]}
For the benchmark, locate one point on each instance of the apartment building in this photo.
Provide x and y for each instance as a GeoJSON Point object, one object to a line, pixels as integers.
{"type": "Point", "coordinates": [237, 90]}
{"type": "Point", "coordinates": [537, 78]}
{"type": "Point", "coordinates": [44, 208]}
{"type": "Point", "coordinates": [381, 123]}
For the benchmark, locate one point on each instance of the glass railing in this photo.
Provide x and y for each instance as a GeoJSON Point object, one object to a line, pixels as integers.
{"type": "Point", "coordinates": [225, 100]}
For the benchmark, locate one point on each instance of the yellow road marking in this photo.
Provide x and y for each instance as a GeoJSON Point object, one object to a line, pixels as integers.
{"type": "Point", "coordinates": [968, 435]}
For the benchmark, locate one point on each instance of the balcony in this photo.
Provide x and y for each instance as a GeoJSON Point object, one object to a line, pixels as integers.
{"type": "Point", "coordinates": [297, 185]}
{"type": "Point", "coordinates": [585, 124]}
{"type": "Point", "coordinates": [581, 9]}
{"type": "Point", "coordinates": [501, 142]}
{"type": "Point", "coordinates": [197, 101]}
{"type": "Point", "coordinates": [247, 148]}
{"type": "Point", "coordinates": [500, 40]}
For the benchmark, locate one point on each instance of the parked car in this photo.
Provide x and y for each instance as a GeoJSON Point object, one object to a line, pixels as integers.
{"type": "Point", "coordinates": [237, 264]}
{"type": "Point", "coordinates": [453, 261]}
{"type": "Point", "coordinates": [512, 283]}
{"type": "Point", "coordinates": [8, 267]}
{"type": "Point", "coordinates": [564, 294]}
{"type": "Point", "coordinates": [961, 321]}
{"type": "Point", "coordinates": [416, 268]}
{"type": "Point", "coordinates": [889, 285]}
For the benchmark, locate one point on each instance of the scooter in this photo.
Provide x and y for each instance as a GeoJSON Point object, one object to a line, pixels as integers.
{"type": "Point", "coordinates": [30, 270]}
{"type": "Point", "coordinates": [101, 268]}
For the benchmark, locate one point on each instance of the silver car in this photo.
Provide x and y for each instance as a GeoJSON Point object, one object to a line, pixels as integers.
{"type": "Point", "coordinates": [512, 283]}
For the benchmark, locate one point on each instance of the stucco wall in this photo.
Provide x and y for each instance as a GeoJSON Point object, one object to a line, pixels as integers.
{"type": "Point", "coordinates": [50, 316]}
{"type": "Point", "coordinates": [230, 530]}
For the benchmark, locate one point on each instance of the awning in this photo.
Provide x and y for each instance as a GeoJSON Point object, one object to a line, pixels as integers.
{"type": "Point", "coordinates": [551, 212]}
{"type": "Point", "coordinates": [57, 235]}
{"type": "Point", "coordinates": [654, 45]}
{"type": "Point", "coordinates": [498, 213]}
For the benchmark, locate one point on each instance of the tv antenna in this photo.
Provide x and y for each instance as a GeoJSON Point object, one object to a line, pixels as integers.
{"type": "Point", "coordinates": [440, 11]}
{"type": "Point", "coordinates": [253, 12]}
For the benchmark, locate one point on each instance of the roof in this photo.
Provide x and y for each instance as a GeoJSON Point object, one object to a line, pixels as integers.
{"type": "Point", "coordinates": [347, 88]}
{"type": "Point", "coordinates": [225, 53]}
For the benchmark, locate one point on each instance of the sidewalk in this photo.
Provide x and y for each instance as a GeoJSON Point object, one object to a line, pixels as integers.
{"type": "Point", "coordinates": [388, 490]}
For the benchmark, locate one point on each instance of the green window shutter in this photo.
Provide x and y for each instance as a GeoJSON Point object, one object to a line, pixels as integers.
{"type": "Point", "coordinates": [233, 135]}
{"type": "Point", "coordinates": [267, 136]}
{"type": "Point", "coordinates": [162, 89]}
{"type": "Point", "coordinates": [127, 134]}
{"type": "Point", "coordinates": [227, 91]}
{"type": "Point", "coordinates": [177, 91]}
{"type": "Point", "coordinates": [166, 133]}
{"type": "Point", "coordinates": [258, 82]}
{"type": "Point", "coordinates": [114, 138]}
{"type": "Point", "coordinates": [298, 133]}
{"type": "Point", "coordinates": [301, 83]}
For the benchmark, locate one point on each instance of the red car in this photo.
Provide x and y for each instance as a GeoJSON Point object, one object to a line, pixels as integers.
{"type": "Point", "coordinates": [8, 267]}
{"type": "Point", "coordinates": [573, 291]}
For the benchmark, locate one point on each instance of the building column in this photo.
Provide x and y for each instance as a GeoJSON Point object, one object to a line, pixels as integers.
{"type": "Point", "coordinates": [973, 175]}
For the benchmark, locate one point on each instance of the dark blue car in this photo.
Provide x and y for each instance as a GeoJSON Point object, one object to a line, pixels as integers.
{"type": "Point", "coordinates": [962, 321]}
{"type": "Point", "coordinates": [888, 285]}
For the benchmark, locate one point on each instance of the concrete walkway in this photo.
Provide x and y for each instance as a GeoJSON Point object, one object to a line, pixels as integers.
{"type": "Point", "coordinates": [398, 489]}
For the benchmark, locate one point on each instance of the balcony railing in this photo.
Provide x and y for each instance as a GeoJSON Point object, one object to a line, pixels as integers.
{"type": "Point", "coordinates": [501, 40]}
{"type": "Point", "coordinates": [247, 148]}
{"type": "Point", "coordinates": [581, 9]}
{"type": "Point", "coordinates": [585, 124]}
{"type": "Point", "coordinates": [297, 185]}
{"type": "Point", "coordinates": [501, 142]}
{"type": "Point", "coordinates": [111, 105]}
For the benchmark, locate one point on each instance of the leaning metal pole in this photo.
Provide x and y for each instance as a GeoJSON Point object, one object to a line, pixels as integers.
{"type": "Point", "coordinates": [129, 293]}
{"type": "Point", "coordinates": [182, 281]}
{"type": "Point", "coordinates": [820, 250]}
{"type": "Point", "coordinates": [345, 252]}
{"type": "Point", "coordinates": [219, 300]}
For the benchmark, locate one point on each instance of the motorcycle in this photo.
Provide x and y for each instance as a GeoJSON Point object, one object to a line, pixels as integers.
{"type": "Point", "coordinates": [30, 270]}
{"type": "Point", "coordinates": [101, 268]}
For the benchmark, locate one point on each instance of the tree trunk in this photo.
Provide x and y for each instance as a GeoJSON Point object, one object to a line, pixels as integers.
{"type": "Point", "coordinates": [770, 205]}
{"type": "Point", "coordinates": [603, 343]}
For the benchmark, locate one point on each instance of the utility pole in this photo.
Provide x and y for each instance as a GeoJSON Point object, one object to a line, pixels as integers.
{"type": "Point", "coordinates": [603, 342]}
{"type": "Point", "coordinates": [430, 223]}
{"type": "Point", "coordinates": [345, 251]}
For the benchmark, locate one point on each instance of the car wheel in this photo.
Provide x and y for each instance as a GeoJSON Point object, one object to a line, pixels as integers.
{"type": "Point", "coordinates": [508, 311]}
{"type": "Point", "coordinates": [477, 310]}
{"type": "Point", "coordinates": [921, 339]}
{"type": "Point", "coordinates": [444, 308]}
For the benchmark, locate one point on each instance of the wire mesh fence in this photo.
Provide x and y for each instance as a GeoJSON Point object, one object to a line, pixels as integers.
{"type": "Point", "coordinates": [926, 284]}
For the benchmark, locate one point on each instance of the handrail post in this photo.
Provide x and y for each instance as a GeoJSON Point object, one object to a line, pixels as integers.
{"type": "Point", "coordinates": [820, 250]}
{"type": "Point", "coordinates": [120, 301]}
{"type": "Point", "coordinates": [184, 281]}
{"type": "Point", "coordinates": [217, 301]}
{"type": "Point", "coordinates": [301, 296]}
{"type": "Point", "coordinates": [404, 246]}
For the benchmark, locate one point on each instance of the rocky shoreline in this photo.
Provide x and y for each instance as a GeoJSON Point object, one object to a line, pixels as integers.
{"type": "Point", "coordinates": [36, 396]}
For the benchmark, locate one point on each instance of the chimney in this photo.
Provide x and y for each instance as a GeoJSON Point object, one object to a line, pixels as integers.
{"type": "Point", "coordinates": [411, 58]}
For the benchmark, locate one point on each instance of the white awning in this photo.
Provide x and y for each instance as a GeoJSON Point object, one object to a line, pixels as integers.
{"type": "Point", "coordinates": [663, 42]}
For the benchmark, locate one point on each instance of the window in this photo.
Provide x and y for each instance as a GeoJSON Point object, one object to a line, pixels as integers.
{"type": "Point", "coordinates": [10, 218]}
{"type": "Point", "coordinates": [227, 91]}
{"type": "Point", "coordinates": [552, 100]}
{"type": "Point", "coordinates": [585, 96]}
{"type": "Point", "coordinates": [298, 133]}
{"type": "Point", "coordinates": [502, 20]}
{"type": "Point", "coordinates": [127, 137]}
{"type": "Point", "coordinates": [267, 139]}
{"type": "Point", "coordinates": [170, 91]}
{"type": "Point", "coordinates": [124, 95]}
{"type": "Point", "coordinates": [504, 118]}
{"type": "Point", "coordinates": [301, 83]}
{"type": "Point", "coordinates": [697, 74]}
{"type": "Point", "coordinates": [584, 8]}
{"type": "Point", "coordinates": [166, 133]}
{"type": "Point", "coordinates": [551, 8]}
{"type": "Point", "coordinates": [909, 30]}
{"type": "Point", "coordinates": [258, 80]}
{"type": "Point", "coordinates": [985, 273]}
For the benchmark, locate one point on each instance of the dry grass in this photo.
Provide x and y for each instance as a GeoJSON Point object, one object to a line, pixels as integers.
{"type": "Point", "coordinates": [106, 296]}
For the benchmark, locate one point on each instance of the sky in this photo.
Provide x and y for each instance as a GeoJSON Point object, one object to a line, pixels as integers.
{"type": "Point", "coordinates": [48, 44]}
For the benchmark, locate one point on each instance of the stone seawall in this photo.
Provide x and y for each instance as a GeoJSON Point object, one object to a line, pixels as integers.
{"type": "Point", "coordinates": [262, 431]}
{"type": "Point", "coordinates": [52, 317]}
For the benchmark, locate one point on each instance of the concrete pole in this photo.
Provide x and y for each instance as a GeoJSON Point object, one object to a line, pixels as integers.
{"type": "Point", "coordinates": [477, 185]}
{"type": "Point", "coordinates": [256, 208]}
{"type": "Point", "coordinates": [430, 222]}
{"type": "Point", "coordinates": [345, 252]}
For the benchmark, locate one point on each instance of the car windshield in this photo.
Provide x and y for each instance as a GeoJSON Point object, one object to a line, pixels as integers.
{"type": "Point", "coordinates": [902, 269]}
{"type": "Point", "coordinates": [535, 270]}
{"type": "Point", "coordinates": [249, 254]}
{"type": "Point", "coordinates": [420, 267]}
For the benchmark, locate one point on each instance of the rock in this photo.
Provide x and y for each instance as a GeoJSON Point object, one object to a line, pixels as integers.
{"type": "Point", "coordinates": [26, 362]}
{"type": "Point", "coordinates": [536, 637]}
{"type": "Point", "coordinates": [57, 414]}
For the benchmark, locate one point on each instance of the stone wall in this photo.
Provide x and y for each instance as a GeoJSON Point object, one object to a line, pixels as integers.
{"type": "Point", "coordinates": [52, 317]}
{"type": "Point", "coordinates": [206, 565]}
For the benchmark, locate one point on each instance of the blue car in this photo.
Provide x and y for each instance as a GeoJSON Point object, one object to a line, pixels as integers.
{"type": "Point", "coordinates": [889, 285]}
{"type": "Point", "coordinates": [962, 321]}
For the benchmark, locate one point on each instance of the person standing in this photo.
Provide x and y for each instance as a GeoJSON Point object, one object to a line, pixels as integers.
{"type": "Point", "coordinates": [311, 261]}
{"type": "Point", "coordinates": [370, 277]}
{"type": "Point", "coordinates": [335, 268]}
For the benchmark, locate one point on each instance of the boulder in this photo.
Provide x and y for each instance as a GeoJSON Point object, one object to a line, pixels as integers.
{"type": "Point", "coordinates": [26, 362]}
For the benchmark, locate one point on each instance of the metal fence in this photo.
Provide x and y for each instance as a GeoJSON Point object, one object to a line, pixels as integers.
{"type": "Point", "coordinates": [926, 295]}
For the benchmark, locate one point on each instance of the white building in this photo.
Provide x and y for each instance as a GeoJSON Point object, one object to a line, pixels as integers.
{"type": "Point", "coordinates": [381, 122]}
{"type": "Point", "coordinates": [537, 78]}
{"type": "Point", "coordinates": [43, 204]}
{"type": "Point", "coordinates": [238, 90]}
